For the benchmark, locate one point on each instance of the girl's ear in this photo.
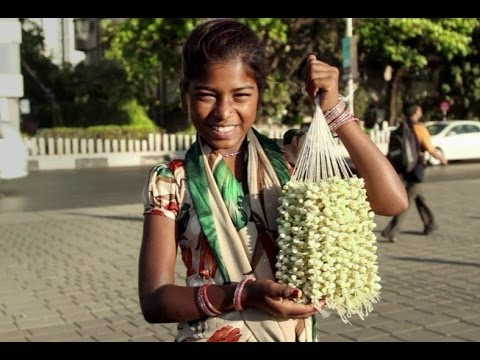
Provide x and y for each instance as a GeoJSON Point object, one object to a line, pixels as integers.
{"type": "Point", "coordinates": [183, 95]}
{"type": "Point", "coordinates": [259, 104]}
{"type": "Point", "coordinates": [183, 102]}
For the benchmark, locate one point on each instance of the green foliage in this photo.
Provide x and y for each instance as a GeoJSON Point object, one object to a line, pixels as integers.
{"type": "Point", "coordinates": [305, 36]}
{"type": "Point", "coordinates": [361, 103]}
{"type": "Point", "coordinates": [271, 30]}
{"type": "Point", "coordinates": [82, 96]}
{"type": "Point", "coordinates": [413, 41]}
{"type": "Point", "coordinates": [41, 76]}
{"type": "Point", "coordinates": [276, 97]}
{"type": "Point", "coordinates": [149, 49]}
{"type": "Point", "coordinates": [439, 59]}
{"type": "Point", "coordinates": [99, 94]}
{"type": "Point", "coordinates": [411, 44]}
{"type": "Point", "coordinates": [141, 44]}
{"type": "Point", "coordinates": [460, 83]}
{"type": "Point", "coordinates": [138, 117]}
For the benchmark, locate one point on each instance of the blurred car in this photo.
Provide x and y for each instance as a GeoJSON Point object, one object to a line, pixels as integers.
{"type": "Point", "coordinates": [13, 152]}
{"type": "Point", "coordinates": [455, 139]}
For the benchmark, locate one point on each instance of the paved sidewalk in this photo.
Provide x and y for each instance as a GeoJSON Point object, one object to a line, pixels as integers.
{"type": "Point", "coordinates": [71, 275]}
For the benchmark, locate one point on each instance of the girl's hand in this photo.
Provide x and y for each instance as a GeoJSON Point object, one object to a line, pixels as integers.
{"type": "Point", "coordinates": [278, 300]}
{"type": "Point", "coordinates": [226, 334]}
{"type": "Point", "coordinates": [321, 79]}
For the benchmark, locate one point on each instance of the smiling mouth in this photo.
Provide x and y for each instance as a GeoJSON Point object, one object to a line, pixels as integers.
{"type": "Point", "coordinates": [223, 129]}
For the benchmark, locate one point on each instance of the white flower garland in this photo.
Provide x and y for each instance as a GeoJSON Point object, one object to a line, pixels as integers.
{"type": "Point", "coordinates": [326, 240]}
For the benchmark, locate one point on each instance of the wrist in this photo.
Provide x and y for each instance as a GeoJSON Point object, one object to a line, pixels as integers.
{"type": "Point", "coordinates": [329, 104]}
{"type": "Point", "coordinates": [240, 297]}
{"type": "Point", "coordinates": [338, 116]}
{"type": "Point", "coordinates": [204, 303]}
{"type": "Point", "coordinates": [334, 111]}
{"type": "Point", "coordinates": [246, 298]}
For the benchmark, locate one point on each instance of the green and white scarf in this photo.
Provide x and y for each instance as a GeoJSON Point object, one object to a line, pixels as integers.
{"type": "Point", "coordinates": [241, 229]}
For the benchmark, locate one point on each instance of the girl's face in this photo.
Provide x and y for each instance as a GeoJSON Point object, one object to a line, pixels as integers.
{"type": "Point", "coordinates": [222, 105]}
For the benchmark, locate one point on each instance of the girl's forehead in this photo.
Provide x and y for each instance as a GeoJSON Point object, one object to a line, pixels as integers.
{"type": "Point", "coordinates": [225, 73]}
{"type": "Point", "coordinates": [228, 65]}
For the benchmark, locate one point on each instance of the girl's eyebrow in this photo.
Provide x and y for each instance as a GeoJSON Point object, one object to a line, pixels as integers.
{"type": "Point", "coordinates": [206, 87]}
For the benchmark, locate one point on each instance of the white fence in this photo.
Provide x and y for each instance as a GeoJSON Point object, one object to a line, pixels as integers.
{"type": "Point", "coordinates": [70, 153]}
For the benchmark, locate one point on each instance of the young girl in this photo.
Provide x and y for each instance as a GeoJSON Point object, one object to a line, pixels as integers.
{"type": "Point", "coordinates": [219, 204]}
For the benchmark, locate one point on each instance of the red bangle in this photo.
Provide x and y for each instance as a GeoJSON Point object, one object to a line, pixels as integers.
{"type": "Point", "coordinates": [209, 305]}
{"type": "Point", "coordinates": [237, 296]}
{"type": "Point", "coordinates": [202, 303]}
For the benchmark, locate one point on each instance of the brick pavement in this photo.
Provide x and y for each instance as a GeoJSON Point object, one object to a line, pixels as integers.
{"type": "Point", "coordinates": [71, 275]}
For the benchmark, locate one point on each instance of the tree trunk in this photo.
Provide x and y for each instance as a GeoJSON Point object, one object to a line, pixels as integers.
{"type": "Point", "coordinates": [392, 96]}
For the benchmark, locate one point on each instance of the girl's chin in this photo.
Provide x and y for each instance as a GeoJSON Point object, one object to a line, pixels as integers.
{"type": "Point", "coordinates": [223, 145]}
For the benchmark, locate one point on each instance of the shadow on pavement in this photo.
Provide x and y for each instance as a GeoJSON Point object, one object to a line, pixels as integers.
{"type": "Point", "coordinates": [112, 217]}
{"type": "Point", "coordinates": [438, 261]}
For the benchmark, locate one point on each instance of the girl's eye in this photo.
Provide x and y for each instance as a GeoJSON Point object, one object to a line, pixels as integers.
{"type": "Point", "coordinates": [242, 96]}
{"type": "Point", "coordinates": [205, 96]}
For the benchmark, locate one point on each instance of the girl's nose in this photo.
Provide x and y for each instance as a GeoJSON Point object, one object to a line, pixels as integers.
{"type": "Point", "coordinates": [224, 109]}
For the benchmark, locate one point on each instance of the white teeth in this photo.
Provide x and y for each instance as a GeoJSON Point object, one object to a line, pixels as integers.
{"type": "Point", "coordinates": [223, 129]}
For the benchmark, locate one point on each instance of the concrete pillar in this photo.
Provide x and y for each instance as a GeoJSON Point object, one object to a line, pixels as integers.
{"type": "Point", "coordinates": [11, 79]}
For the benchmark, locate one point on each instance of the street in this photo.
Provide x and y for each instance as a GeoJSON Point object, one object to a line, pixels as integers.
{"type": "Point", "coordinates": [67, 189]}
{"type": "Point", "coordinates": [69, 245]}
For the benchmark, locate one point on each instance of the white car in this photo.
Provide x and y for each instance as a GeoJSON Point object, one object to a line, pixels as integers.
{"type": "Point", "coordinates": [13, 152]}
{"type": "Point", "coordinates": [455, 139]}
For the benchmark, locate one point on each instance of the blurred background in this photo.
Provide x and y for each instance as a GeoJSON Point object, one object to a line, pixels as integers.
{"type": "Point", "coordinates": [88, 105]}
{"type": "Point", "coordinates": [97, 86]}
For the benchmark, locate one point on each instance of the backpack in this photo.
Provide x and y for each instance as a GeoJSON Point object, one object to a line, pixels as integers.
{"type": "Point", "coordinates": [403, 148]}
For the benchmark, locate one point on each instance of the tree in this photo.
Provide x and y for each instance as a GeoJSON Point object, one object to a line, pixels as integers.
{"type": "Point", "coordinates": [149, 50]}
{"type": "Point", "coordinates": [304, 36]}
{"type": "Point", "coordinates": [273, 33]}
{"type": "Point", "coordinates": [460, 83]}
{"type": "Point", "coordinates": [98, 95]}
{"type": "Point", "coordinates": [406, 44]}
{"type": "Point", "coordinates": [40, 75]}
{"type": "Point", "coordinates": [84, 95]}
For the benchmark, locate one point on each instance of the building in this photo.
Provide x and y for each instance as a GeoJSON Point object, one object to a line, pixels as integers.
{"type": "Point", "coordinates": [88, 32]}
{"type": "Point", "coordinates": [59, 36]}
{"type": "Point", "coordinates": [88, 38]}
{"type": "Point", "coordinates": [11, 79]}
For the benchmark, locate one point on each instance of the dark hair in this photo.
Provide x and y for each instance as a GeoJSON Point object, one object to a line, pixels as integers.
{"type": "Point", "coordinates": [222, 40]}
{"type": "Point", "coordinates": [410, 110]}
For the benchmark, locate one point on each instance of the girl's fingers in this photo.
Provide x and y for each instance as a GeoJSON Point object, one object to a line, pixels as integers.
{"type": "Point", "coordinates": [321, 79]}
{"type": "Point", "coordinates": [225, 334]}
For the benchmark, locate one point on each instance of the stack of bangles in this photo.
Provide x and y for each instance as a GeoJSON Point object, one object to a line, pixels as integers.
{"type": "Point", "coordinates": [203, 302]}
{"type": "Point", "coordinates": [339, 115]}
{"type": "Point", "coordinates": [205, 305]}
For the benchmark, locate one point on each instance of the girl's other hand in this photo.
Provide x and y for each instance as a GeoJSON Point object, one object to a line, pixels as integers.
{"type": "Point", "coordinates": [321, 79]}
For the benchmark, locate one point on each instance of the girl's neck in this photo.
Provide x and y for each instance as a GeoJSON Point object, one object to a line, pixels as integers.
{"type": "Point", "coordinates": [235, 162]}
{"type": "Point", "coordinates": [235, 153]}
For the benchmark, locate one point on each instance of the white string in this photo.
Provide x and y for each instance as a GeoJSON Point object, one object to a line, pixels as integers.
{"type": "Point", "coordinates": [320, 157]}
